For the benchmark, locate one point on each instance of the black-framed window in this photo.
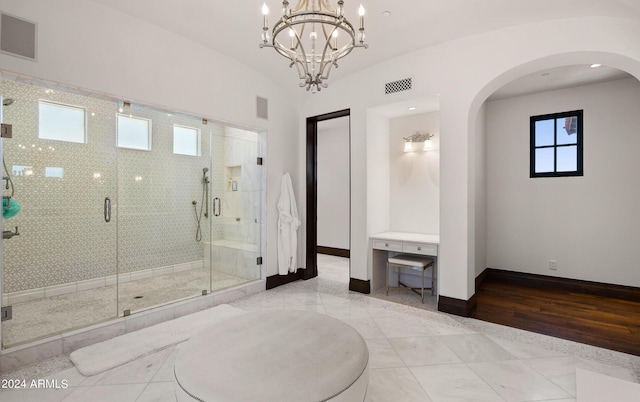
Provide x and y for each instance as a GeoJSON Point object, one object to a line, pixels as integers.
{"type": "Point", "coordinates": [556, 144]}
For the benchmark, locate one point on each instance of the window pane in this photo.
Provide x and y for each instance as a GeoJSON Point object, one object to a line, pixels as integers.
{"type": "Point", "coordinates": [544, 160]}
{"type": "Point", "coordinates": [186, 140]}
{"type": "Point", "coordinates": [567, 130]}
{"type": "Point", "coordinates": [134, 132]}
{"type": "Point", "coordinates": [61, 122]}
{"type": "Point", "coordinates": [567, 159]}
{"type": "Point", "coordinates": [544, 132]}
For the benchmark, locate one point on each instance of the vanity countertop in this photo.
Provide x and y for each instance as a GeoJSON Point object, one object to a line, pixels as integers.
{"type": "Point", "coordinates": [407, 236]}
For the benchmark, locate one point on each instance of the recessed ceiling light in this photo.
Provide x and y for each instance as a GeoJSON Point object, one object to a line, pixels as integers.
{"type": "Point", "coordinates": [595, 65]}
{"type": "Point", "coordinates": [386, 13]}
{"type": "Point", "coordinates": [412, 108]}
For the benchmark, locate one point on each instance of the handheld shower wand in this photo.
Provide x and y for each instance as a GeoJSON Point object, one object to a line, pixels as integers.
{"type": "Point", "coordinates": [205, 204]}
{"type": "Point", "coordinates": [205, 183]}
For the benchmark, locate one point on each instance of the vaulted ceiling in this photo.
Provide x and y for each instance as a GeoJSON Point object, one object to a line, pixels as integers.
{"type": "Point", "coordinates": [234, 27]}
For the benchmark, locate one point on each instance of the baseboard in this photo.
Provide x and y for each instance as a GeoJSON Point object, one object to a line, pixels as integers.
{"type": "Point", "coordinates": [463, 308]}
{"type": "Point", "coordinates": [360, 286]}
{"type": "Point", "coordinates": [480, 278]}
{"type": "Point", "coordinates": [564, 284]}
{"type": "Point", "coordinates": [338, 252]}
{"type": "Point", "coordinates": [274, 281]}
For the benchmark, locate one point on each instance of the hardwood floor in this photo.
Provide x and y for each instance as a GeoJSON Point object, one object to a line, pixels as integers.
{"type": "Point", "coordinates": [595, 320]}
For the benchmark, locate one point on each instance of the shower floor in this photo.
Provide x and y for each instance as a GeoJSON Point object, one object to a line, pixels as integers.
{"type": "Point", "coordinates": [53, 315]}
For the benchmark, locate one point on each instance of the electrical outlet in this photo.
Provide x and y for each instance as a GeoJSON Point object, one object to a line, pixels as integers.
{"type": "Point", "coordinates": [553, 265]}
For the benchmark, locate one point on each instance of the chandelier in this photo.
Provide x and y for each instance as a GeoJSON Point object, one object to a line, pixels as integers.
{"type": "Point", "coordinates": [314, 37]}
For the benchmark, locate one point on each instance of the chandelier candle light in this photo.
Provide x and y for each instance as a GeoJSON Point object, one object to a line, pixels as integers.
{"type": "Point", "coordinates": [314, 37]}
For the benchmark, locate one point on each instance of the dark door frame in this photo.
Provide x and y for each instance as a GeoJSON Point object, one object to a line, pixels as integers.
{"type": "Point", "coordinates": [311, 270]}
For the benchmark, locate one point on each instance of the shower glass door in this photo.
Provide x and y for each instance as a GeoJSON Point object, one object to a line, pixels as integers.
{"type": "Point", "coordinates": [238, 191]}
{"type": "Point", "coordinates": [59, 248]}
{"type": "Point", "coordinates": [164, 226]}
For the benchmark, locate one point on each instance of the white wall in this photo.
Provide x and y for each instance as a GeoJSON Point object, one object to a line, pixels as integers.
{"type": "Point", "coordinates": [451, 70]}
{"type": "Point", "coordinates": [86, 45]}
{"type": "Point", "coordinates": [333, 183]}
{"type": "Point", "coordinates": [589, 224]}
{"type": "Point", "coordinates": [479, 192]}
{"type": "Point", "coordinates": [414, 176]}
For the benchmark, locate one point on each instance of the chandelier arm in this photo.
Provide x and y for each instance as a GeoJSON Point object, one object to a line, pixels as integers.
{"type": "Point", "coordinates": [313, 68]}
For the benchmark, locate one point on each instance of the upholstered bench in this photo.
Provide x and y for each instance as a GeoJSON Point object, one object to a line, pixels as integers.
{"type": "Point", "coordinates": [274, 356]}
{"type": "Point", "coordinates": [415, 262]}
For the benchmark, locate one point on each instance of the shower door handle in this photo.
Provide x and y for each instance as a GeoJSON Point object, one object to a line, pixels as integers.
{"type": "Point", "coordinates": [216, 212]}
{"type": "Point", "coordinates": [107, 209]}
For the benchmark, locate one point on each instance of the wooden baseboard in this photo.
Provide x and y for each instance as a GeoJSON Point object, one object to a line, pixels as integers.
{"type": "Point", "coordinates": [358, 285]}
{"type": "Point", "coordinates": [463, 308]}
{"type": "Point", "coordinates": [338, 252]}
{"type": "Point", "coordinates": [564, 284]}
{"type": "Point", "coordinates": [278, 280]}
{"type": "Point", "coordinates": [480, 278]}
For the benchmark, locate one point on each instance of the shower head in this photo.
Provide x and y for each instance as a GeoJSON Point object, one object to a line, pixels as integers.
{"type": "Point", "coordinates": [7, 102]}
{"type": "Point", "coordinates": [205, 170]}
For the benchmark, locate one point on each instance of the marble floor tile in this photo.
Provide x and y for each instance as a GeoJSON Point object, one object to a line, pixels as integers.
{"type": "Point", "coordinates": [515, 381]}
{"type": "Point", "coordinates": [138, 371]}
{"type": "Point", "coordinates": [394, 384]}
{"type": "Point", "coordinates": [415, 354]}
{"type": "Point", "coordinates": [475, 348]}
{"type": "Point", "coordinates": [158, 392]}
{"type": "Point", "coordinates": [612, 371]}
{"type": "Point", "coordinates": [318, 308]}
{"type": "Point", "coordinates": [523, 350]}
{"type": "Point", "coordinates": [296, 299]}
{"type": "Point", "coordinates": [106, 393]}
{"type": "Point", "coordinates": [72, 377]}
{"type": "Point", "coordinates": [454, 383]}
{"type": "Point", "coordinates": [35, 395]}
{"type": "Point", "coordinates": [402, 326]}
{"type": "Point", "coordinates": [366, 327]}
{"type": "Point", "coordinates": [424, 350]}
{"type": "Point", "coordinates": [165, 372]}
{"type": "Point", "coordinates": [347, 311]}
{"type": "Point", "coordinates": [382, 354]}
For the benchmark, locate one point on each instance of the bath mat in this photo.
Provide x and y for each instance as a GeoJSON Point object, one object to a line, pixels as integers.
{"type": "Point", "coordinates": [114, 352]}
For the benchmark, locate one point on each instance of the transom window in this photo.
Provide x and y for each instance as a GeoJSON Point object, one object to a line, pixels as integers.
{"type": "Point", "coordinates": [556, 144]}
{"type": "Point", "coordinates": [61, 122]}
{"type": "Point", "coordinates": [186, 140]}
{"type": "Point", "coordinates": [134, 132]}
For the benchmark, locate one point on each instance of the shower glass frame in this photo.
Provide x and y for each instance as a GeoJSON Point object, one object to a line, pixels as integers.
{"type": "Point", "coordinates": [144, 241]}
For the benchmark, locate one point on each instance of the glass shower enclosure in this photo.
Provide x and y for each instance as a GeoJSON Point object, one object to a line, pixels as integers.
{"type": "Point", "coordinates": [111, 208]}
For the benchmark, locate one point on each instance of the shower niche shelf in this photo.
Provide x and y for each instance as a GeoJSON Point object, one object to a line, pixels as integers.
{"type": "Point", "coordinates": [234, 177]}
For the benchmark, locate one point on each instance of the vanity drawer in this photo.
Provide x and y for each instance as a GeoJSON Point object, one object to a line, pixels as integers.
{"type": "Point", "coordinates": [420, 248]}
{"type": "Point", "coordinates": [387, 245]}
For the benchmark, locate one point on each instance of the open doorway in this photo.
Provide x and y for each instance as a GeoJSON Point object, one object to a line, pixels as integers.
{"type": "Point", "coordinates": [328, 196]}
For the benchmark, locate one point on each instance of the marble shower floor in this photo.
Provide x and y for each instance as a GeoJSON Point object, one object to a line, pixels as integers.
{"type": "Point", "coordinates": [415, 355]}
{"type": "Point", "coordinates": [37, 319]}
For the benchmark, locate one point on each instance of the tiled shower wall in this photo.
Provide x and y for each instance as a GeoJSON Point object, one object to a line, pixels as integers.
{"type": "Point", "coordinates": [239, 186]}
{"type": "Point", "coordinates": [63, 235]}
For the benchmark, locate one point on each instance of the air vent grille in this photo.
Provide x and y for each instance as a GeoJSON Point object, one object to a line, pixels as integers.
{"type": "Point", "coordinates": [18, 37]}
{"type": "Point", "coordinates": [398, 86]}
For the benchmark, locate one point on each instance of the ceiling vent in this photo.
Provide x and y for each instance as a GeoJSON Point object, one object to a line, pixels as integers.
{"type": "Point", "coordinates": [398, 86]}
{"type": "Point", "coordinates": [18, 37]}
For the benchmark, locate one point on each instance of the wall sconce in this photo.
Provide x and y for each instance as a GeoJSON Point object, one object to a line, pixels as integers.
{"type": "Point", "coordinates": [417, 137]}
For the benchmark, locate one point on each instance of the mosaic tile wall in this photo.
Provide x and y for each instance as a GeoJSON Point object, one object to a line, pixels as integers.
{"type": "Point", "coordinates": [63, 236]}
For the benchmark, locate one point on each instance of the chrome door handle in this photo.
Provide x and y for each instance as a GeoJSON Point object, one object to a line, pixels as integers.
{"type": "Point", "coordinates": [107, 209]}
{"type": "Point", "coordinates": [216, 212]}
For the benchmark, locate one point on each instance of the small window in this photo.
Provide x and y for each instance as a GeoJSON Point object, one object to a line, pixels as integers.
{"type": "Point", "coordinates": [134, 133]}
{"type": "Point", "coordinates": [186, 140]}
{"type": "Point", "coordinates": [556, 144]}
{"type": "Point", "coordinates": [61, 122]}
